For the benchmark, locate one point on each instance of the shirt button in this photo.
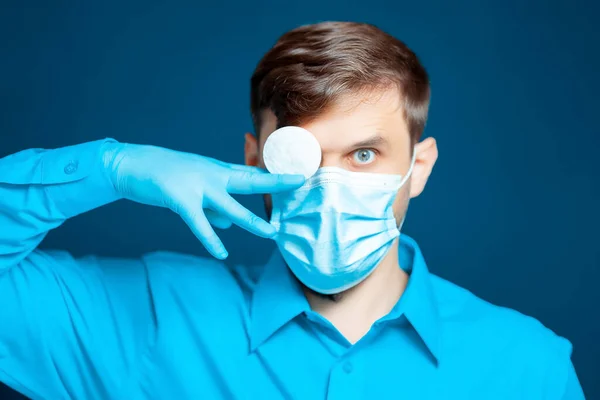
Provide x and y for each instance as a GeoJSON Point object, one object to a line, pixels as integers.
{"type": "Point", "coordinates": [347, 367]}
{"type": "Point", "coordinates": [71, 167]}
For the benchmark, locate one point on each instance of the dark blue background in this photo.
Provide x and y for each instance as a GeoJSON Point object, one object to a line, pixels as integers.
{"type": "Point", "coordinates": [511, 211]}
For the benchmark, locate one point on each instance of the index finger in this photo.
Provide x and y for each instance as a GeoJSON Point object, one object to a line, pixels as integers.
{"type": "Point", "coordinates": [246, 182]}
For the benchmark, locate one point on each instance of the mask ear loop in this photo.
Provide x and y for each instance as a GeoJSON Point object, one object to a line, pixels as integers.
{"type": "Point", "coordinates": [410, 169]}
{"type": "Point", "coordinates": [403, 181]}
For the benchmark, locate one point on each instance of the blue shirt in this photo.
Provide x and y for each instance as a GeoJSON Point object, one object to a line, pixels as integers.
{"type": "Point", "coordinates": [173, 326]}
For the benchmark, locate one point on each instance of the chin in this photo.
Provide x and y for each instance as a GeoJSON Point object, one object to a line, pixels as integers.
{"type": "Point", "coordinates": [335, 297]}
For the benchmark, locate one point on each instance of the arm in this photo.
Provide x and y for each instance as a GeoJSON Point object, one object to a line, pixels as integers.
{"type": "Point", "coordinates": [573, 390]}
{"type": "Point", "coordinates": [40, 189]}
{"type": "Point", "coordinates": [69, 328]}
{"type": "Point", "coordinates": [560, 378]}
{"type": "Point", "coordinates": [79, 328]}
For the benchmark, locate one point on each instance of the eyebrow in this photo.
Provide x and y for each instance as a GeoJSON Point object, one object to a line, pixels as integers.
{"type": "Point", "coordinates": [373, 141]}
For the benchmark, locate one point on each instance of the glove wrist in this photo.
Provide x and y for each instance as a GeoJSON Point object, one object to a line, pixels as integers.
{"type": "Point", "coordinates": [112, 155]}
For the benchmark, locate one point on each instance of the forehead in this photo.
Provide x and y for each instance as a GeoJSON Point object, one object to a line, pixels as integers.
{"type": "Point", "coordinates": [352, 119]}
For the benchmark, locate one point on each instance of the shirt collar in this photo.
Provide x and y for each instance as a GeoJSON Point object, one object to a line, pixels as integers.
{"type": "Point", "coordinates": [418, 303]}
{"type": "Point", "coordinates": [278, 298]}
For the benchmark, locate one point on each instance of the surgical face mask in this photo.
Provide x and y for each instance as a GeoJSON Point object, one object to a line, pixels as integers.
{"type": "Point", "coordinates": [336, 229]}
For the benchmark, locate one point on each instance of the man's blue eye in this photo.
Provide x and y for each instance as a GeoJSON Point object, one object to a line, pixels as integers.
{"type": "Point", "coordinates": [364, 156]}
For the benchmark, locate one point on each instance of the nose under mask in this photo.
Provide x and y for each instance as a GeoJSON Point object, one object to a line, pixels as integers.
{"type": "Point", "coordinates": [335, 230]}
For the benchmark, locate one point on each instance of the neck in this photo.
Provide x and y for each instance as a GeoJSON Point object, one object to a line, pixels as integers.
{"type": "Point", "coordinates": [358, 308]}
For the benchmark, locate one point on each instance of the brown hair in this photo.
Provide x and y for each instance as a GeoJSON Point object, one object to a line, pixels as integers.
{"type": "Point", "coordinates": [311, 67]}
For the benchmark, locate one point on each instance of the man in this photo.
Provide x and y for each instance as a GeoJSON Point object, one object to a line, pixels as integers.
{"type": "Point", "coordinates": [340, 316]}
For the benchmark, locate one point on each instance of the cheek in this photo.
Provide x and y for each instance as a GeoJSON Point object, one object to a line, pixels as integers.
{"type": "Point", "coordinates": [400, 205]}
{"type": "Point", "coordinates": [261, 163]}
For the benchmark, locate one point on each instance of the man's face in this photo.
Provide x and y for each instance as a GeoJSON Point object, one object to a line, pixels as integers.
{"type": "Point", "coordinates": [361, 134]}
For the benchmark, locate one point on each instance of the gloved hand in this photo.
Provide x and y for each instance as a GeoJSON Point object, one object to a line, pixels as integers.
{"type": "Point", "coordinates": [195, 187]}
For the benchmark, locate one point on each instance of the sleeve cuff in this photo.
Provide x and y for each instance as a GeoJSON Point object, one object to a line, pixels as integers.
{"type": "Point", "coordinates": [42, 166]}
{"type": "Point", "coordinates": [75, 178]}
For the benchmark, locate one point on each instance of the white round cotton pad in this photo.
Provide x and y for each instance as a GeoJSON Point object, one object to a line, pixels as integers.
{"type": "Point", "coordinates": [292, 150]}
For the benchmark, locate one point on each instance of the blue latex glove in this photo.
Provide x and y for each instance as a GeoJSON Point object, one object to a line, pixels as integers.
{"type": "Point", "coordinates": [195, 187]}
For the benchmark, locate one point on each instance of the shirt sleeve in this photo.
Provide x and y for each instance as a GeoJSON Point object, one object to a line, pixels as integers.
{"type": "Point", "coordinates": [561, 379]}
{"type": "Point", "coordinates": [70, 328]}
{"type": "Point", "coordinates": [573, 390]}
{"type": "Point", "coordinates": [40, 189]}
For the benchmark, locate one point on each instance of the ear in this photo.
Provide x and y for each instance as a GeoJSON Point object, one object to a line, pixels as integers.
{"type": "Point", "coordinates": [251, 150]}
{"type": "Point", "coordinates": [425, 158]}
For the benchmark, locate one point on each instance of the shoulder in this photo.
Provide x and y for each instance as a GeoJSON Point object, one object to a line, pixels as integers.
{"type": "Point", "coordinates": [459, 306]}
{"type": "Point", "coordinates": [204, 277]}
{"type": "Point", "coordinates": [495, 325]}
{"type": "Point", "coordinates": [517, 345]}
